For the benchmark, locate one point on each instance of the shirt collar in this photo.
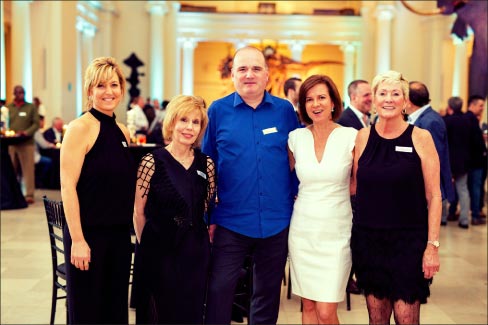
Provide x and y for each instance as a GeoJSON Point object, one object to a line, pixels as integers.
{"type": "Point", "coordinates": [358, 113]}
{"type": "Point", "coordinates": [415, 115]}
{"type": "Point", "coordinates": [238, 99]}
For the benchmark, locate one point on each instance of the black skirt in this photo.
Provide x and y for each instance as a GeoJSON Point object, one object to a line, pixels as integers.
{"type": "Point", "coordinates": [388, 263]}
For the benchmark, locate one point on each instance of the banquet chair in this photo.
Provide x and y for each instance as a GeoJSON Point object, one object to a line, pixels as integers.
{"type": "Point", "coordinates": [55, 222]}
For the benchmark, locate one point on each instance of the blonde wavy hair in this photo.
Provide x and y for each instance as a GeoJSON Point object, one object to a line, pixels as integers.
{"type": "Point", "coordinates": [99, 71]}
{"type": "Point", "coordinates": [180, 106]}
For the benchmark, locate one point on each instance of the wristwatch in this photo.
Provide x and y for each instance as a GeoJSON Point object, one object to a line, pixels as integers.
{"type": "Point", "coordinates": [434, 243]}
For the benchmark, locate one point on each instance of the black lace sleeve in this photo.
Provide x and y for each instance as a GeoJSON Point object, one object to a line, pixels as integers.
{"type": "Point", "coordinates": [211, 188]}
{"type": "Point", "coordinates": [144, 173]}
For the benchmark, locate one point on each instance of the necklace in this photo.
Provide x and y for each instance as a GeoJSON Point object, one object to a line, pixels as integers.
{"type": "Point", "coordinates": [184, 160]}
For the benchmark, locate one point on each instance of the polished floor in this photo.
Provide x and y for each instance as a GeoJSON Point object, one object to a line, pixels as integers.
{"type": "Point", "coordinates": [458, 294]}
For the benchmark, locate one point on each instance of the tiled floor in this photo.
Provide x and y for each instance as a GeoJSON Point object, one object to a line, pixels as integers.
{"type": "Point", "coordinates": [458, 294]}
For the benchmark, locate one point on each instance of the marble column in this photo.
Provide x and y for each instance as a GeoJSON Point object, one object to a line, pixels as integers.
{"type": "Point", "coordinates": [188, 71]}
{"type": "Point", "coordinates": [157, 11]}
{"type": "Point", "coordinates": [21, 47]}
{"type": "Point", "coordinates": [384, 15]}
{"type": "Point", "coordinates": [106, 23]}
{"type": "Point", "coordinates": [460, 68]}
{"type": "Point", "coordinates": [349, 67]}
{"type": "Point", "coordinates": [297, 50]}
{"type": "Point", "coordinates": [172, 53]}
{"type": "Point", "coordinates": [85, 35]}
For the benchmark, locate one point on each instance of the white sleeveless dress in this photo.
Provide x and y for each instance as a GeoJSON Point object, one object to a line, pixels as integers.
{"type": "Point", "coordinates": [320, 228]}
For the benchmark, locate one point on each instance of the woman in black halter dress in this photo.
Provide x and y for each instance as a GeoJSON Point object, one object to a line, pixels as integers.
{"type": "Point", "coordinates": [98, 177]}
{"type": "Point", "coordinates": [174, 188]}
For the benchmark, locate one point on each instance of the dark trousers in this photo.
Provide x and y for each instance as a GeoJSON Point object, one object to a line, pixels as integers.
{"type": "Point", "coordinates": [228, 254]}
{"type": "Point", "coordinates": [100, 295]}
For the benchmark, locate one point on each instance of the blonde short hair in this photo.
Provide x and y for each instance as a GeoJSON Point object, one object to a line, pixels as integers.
{"type": "Point", "coordinates": [99, 71]}
{"type": "Point", "coordinates": [391, 77]}
{"type": "Point", "coordinates": [180, 106]}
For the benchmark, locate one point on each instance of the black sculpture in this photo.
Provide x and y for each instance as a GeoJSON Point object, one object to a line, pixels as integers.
{"type": "Point", "coordinates": [133, 62]}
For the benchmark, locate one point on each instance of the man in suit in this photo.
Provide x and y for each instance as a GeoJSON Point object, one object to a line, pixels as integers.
{"type": "Point", "coordinates": [55, 133]}
{"type": "Point", "coordinates": [357, 114]}
{"type": "Point", "coordinates": [291, 88]}
{"type": "Point", "coordinates": [477, 171]}
{"type": "Point", "coordinates": [421, 114]}
{"type": "Point", "coordinates": [458, 137]}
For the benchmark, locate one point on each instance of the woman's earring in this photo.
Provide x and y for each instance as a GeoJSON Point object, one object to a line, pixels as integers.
{"type": "Point", "coordinates": [404, 111]}
{"type": "Point", "coordinates": [332, 110]}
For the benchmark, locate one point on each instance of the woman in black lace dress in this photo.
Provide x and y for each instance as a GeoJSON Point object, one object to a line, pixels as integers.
{"type": "Point", "coordinates": [174, 188]}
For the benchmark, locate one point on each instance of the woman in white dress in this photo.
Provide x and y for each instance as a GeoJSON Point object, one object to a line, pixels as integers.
{"type": "Point", "coordinates": [320, 230]}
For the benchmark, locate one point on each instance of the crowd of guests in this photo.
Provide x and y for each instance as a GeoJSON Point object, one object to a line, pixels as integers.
{"type": "Point", "coordinates": [260, 177]}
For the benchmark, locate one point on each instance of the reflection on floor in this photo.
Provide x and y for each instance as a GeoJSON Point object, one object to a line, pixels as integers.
{"type": "Point", "coordinates": [458, 294]}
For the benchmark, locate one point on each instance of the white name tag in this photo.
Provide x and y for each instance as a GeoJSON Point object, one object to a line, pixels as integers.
{"type": "Point", "coordinates": [403, 149]}
{"type": "Point", "coordinates": [22, 114]}
{"type": "Point", "coordinates": [124, 144]}
{"type": "Point", "coordinates": [202, 174]}
{"type": "Point", "coordinates": [270, 130]}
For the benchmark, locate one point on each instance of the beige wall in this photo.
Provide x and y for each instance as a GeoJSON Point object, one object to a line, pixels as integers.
{"type": "Point", "coordinates": [54, 48]}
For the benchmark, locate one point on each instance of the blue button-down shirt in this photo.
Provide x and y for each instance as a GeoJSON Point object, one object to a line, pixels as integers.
{"type": "Point", "coordinates": [249, 147]}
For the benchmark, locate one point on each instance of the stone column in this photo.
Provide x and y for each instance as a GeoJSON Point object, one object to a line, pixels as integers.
{"type": "Point", "coordinates": [296, 51]}
{"type": "Point", "coordinates": [349, 67]}
{"type": "Point", "coordinates": [188, 60]}
{"type": "Point", "coordinates": [157, 10]}
{"type": "Point", "coordinates": [460, 68]}
{"type": "Point", "coordinates": [106, 23]}
{"type": "Point", "coordinates": [384, 16]}
{"type": "Point", "coordinates": [21, 47]}
{"type": "Point", "coordinates": [172, 53]}
{"type": "Point", "coordinates": [85, 35]}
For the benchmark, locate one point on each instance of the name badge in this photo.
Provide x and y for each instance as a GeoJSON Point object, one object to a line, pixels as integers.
{"type": "Point", "coordinates": [124, 144]}
{"type": "Point", "coordinates": [22, 114]}
{"type": "Point", "coordinates": [202, 174]}
{"type": "Point", "coordinates": [403, 149]}
{"type": "Point", "coordinates": [270, 130]}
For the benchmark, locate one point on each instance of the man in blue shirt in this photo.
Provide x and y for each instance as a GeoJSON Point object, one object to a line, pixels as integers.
{"type": "Point", "coordinates": [247, 139]}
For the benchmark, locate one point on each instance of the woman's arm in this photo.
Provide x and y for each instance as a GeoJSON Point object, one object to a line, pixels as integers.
{"type": "Point", "coordinates": [78, 139]}
{"type": "Point", "coordinates": [360, 144]}
{"type": "Point", "coordinates": [211, 195]}
{"type": "Point", "coordinates": [425, 147]}
{"type": "Point", "coordinates": [144, 174]}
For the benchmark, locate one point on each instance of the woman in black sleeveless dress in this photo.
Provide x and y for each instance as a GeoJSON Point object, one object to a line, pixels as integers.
{"type": "Point", "coordinates": [98, 177]}
{"type": "Point", "coordinates": [174, 188]}
{"type": "Point", "coordinates": [395, 233]}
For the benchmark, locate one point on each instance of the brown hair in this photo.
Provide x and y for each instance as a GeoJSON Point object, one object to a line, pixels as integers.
{"type": "Point", "coordinates": [311, 82]}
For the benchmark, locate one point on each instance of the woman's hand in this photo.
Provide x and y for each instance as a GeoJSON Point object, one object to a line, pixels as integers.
{"type": "Point", "coordinates": [211, 231]}
{"type": "Point", "coordinates": [430, 261]}
{"type": "Point", "coordinates": [80, 255]}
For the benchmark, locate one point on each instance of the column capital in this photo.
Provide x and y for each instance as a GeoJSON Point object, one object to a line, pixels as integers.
{"type": "Point", "coordinates": [189, 43]}
{"type": "Point", "coordinates": [85, 27]}
{"type": "Point", "coordinates": [385, 12]}
{"type": "Point", "coordinates": [239, 43]}
{"type": "Point", "coordinates": [159, 8]}
{"type": "Point", "coordinates": [348, 48]}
